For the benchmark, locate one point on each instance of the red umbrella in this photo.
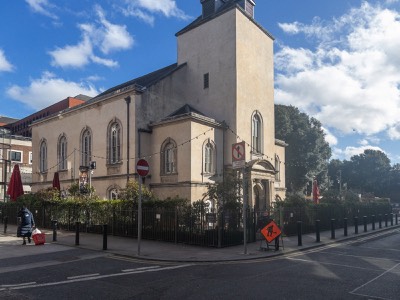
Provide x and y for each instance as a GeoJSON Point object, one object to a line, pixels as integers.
{"type": "Point", "coordinates": [315, 192]}
{"type": "Point", "coordinates": [15, 188]}
{"type": "Point", "coordinates": [56, 181]}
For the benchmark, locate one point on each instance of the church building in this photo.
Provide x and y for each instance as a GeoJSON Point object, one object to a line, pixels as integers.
{"type": "Point", "coordinates": [183, 119]}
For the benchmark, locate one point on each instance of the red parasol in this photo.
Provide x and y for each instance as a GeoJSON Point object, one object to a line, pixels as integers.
{"type": "Point", "coordinates": [15, 188]}
{"type": "Point", "coordinates": [315, 192]}
{"type": "Point", "coordinates": [56, 181]}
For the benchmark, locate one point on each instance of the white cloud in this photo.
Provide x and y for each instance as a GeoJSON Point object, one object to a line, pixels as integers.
{"type": "Point", "coordinates": [110, 36]}
{"type": "Point", "coordinates": [42, 7]}
{"type": "Point", "coordinates": [350, 78]}
{"type": "Point", "coordinates": [73, 56]}
{"type": "Point", "coordinates": [350, 151]}
{"type": "Point", "coordinates": [106, 37]}
{"type": "Point", "coordinates": [143, 9]}
{"type": "Point", "coordinates": [48, 90]}
{"type": "Point", "coordinates": [394, 132]}
{"type": "Point", "coordinates": [5, 65]}
{"type": "Point", "coordinates": [329, 137]}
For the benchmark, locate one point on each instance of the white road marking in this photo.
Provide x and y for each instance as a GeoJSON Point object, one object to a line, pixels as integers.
{"type": "Point", "coordinates": [83, 276]}
{"type": "Point", "coordinates": [331, 264]}
{"type": "Point", "coordinates": [138, 269]}
{"type": "Point", "coordinates": [376, 278]}
{"type": "Point", "coordinates": [16, 285]}
{"type": "Point", "coordinates": [35, 285]}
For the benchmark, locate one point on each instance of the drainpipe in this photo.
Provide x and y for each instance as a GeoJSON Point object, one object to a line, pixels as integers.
{"type": "Point", "coordinates": [128, 102]}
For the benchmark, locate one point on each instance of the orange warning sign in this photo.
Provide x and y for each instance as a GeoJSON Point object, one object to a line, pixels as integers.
{"type": "Point", "coordinates": [271, 231]}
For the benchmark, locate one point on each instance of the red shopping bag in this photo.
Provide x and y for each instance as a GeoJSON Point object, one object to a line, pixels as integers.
{"type": "Point", "coordinates": [38, 237]}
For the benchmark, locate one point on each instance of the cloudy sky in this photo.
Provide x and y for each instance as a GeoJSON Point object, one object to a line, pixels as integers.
{"type": "Point", "coordinates": [338, 61]}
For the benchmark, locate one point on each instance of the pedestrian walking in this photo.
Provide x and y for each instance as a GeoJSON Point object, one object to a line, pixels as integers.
{"type": "Point", "coordinates": [25, 224]}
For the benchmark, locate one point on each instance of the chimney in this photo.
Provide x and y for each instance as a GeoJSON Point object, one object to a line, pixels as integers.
{"type": "Point", "coordinates": [248, 6]}
{"type": "Point", "coordinates": [210, 7]}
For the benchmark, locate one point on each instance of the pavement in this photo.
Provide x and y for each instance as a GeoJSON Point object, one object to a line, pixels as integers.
{"type": "Point", "coordinates": [164, 251]}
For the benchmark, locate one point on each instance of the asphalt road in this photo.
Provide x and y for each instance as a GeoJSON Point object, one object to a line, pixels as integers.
{"type": "Point", "coordinates": [366, 268]}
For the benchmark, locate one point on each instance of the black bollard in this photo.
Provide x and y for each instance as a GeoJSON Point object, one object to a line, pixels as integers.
{"type": "Point", "coordinates": [386, 220]}
{"type": "Point", "coordinates": [391, 219]}
{"type": "Point", "coordinates": [299, 237]}
{"type": "Point", "coordinates": [317, 232]}
{"type": "Point", "coordinates": [380, 221]}
{"type": "Point", "coordinates": [54, 223]}
{"type": "Point", "coordinates": [332, 229]}
{"type": "Point", "coordinates": [365, 223]}
{"type": "Point", "coordinates": [5, 224]}
{"type": "Point", "coordinates": [373, 222]}
{"type": "Point", "coordinates": [397, 220]}
{"type": "Point", "coordinates": [77, 233]}
{"type": "Point", "coordinates": [356, 225]}
{"type": "Point", "coordinates": [105, 231]}
{"type": "Point", "coordinates": [345, 226]}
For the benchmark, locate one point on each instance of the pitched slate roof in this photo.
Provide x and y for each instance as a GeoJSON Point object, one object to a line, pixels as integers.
{"type": "Point", "coordinates": [184, 110]}
{"type": "Point", "coordinates": [144, 81]}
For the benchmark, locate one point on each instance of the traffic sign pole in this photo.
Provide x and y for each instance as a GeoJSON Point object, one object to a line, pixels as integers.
{"type": "Point", "coordinates": [140, 215]}
{"type": "Point", "coordinates": [142, 168]}
{"type": "Point", "coordinates": [244, 214]}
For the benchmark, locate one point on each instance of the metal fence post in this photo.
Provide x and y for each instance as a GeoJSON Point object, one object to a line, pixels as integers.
{"type": "Point", "coordinates": [397, 220]}
{"type": "Point", "coordinates": [333, 229]}
{"type": "Point", "coordinates": [5, 224]}
{"type": "Point", "coordinates": [386, 220]}
{"type": "Point", "coordinates": [299, 237]}
{"type": "Point", "coordinates": [77, 224]}
{"type": "Point", "coordinates": [365, 223]}
{"type": "Point", "coordinates": [54, 225]}
{"type": "Point", "coordinates": [317, 232]}
{"type": "Point", "coordinates": [373, 222]}
{"type": "Point", "coordinates": [356, 225]}
{"type": "Point", "coordinates": [391, 219]}
{"type": "Point", "coordinates": [105, 232]}
{"type": "Point", "coordinates": [345, 226]}
{"type": "Point", "coordinates": [380, 221]}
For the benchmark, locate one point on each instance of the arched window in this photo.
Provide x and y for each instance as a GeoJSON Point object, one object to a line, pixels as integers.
{"type": "Point", "coordinates": [169, 157]}
{"type": "Point", "coordinates": [62, 153]}
{"type": "Point", "coordinates": [43, 157]}
{"type": "Point", "coordinates": [209, 157]}
{"type": "Point", "coordinates": [113, 194]}
{"type": "Point", "coordinates": [277, 168]}
{"type": "Point", "coordinates": [86, 147]}
{"type": "Point", "coordinates": [114, 143]}
{"type": "Point", "coordinates": [256, 134]}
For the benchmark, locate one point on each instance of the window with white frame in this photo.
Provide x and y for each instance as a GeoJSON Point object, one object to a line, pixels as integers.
{"type": "Point", "coordinates": [114, 143]}
{"type": "Point", "coordinates": [16, 156]}
{"type": "Point", "coordinates": [257, 133]}
{"type": "Point", "coordinates": [62, 153]}
{"type": "Point", "coordinates": [209, 157]}
{"type": "Point", "coordinates": [43, 157]}
{"type": "Point", "coordinates": [169, 156]}
{"type": "Point", "coordinates": [86, 147]}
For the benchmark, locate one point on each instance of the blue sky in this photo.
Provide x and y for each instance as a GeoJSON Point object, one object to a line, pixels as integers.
{"type": "Point", "coordinates": [338, 61]}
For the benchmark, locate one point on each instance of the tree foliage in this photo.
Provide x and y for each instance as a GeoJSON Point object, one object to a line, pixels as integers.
{"type": "Point", "coordinates": [366, 173]}
{"type": "Point", "coordinates": [308, 153]}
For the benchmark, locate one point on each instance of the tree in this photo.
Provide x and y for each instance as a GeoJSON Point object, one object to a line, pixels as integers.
{"type": "Point", "coordinates": [308, 153]}
{"type": "Point", "coordinates": [369, 172]}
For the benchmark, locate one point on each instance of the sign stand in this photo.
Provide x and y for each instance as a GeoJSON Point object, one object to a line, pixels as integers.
{"type": "Point", "coordinates": [271, 232]}
{"type": "Point", "coordinates": [142, 168]}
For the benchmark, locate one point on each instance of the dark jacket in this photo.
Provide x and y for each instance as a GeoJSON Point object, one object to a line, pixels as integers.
{"type": "Point", "coordinates": [26, 224]}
